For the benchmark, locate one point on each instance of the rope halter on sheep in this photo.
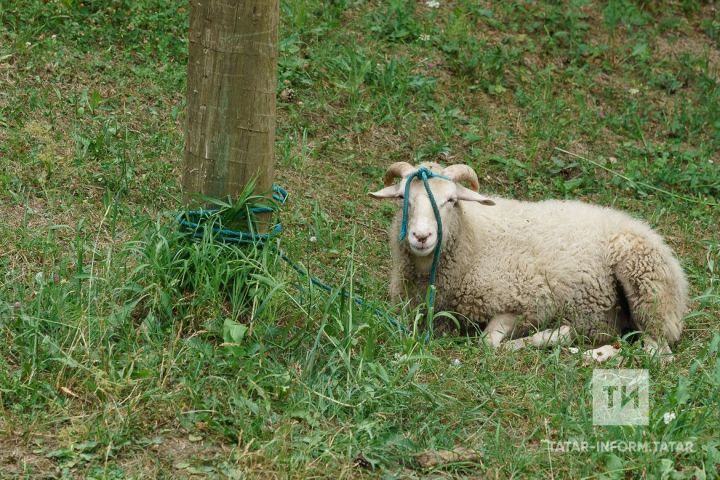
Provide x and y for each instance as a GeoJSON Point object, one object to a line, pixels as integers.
{"type": "Point", "coordinates": [424, 173]}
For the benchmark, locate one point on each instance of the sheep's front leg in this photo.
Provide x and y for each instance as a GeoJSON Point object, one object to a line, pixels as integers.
{"type": "Point", "coordinates": [546, 338]}
{"type": "Point", "coordinates": [499, 327]}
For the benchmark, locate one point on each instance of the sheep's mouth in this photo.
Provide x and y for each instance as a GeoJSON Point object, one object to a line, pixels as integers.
{"type": "Point", "coordinates": [422, 251]}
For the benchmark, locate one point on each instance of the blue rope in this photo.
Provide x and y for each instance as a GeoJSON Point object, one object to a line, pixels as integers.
{"type": "Point", "coordinates": [191, 222]}
{"type": "Point", "coordinates": [424, 173]}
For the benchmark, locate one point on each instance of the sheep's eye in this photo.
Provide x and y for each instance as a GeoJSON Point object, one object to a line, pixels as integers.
{"type": "Point", "coordinates": [451, 201]}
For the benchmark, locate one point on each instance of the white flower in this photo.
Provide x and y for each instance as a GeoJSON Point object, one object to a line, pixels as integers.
{"type": "Point", "coordinates": [424, 37]}
{"type": "Point", "coordinates": [633, 91]}
{"type": "Point", "coordinates": [313, 239]}
{"type": "Point", "coordinates": [668, 417]}
{"type": "Point", "coordinates": [573, 350]}
{"type": "Point", "coordinates": [456, 362]}
{"type": "Point", "coordinates": [432, 3]}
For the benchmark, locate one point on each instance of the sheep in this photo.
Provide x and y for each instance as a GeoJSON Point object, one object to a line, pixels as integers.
{"type": "Point", "coordinates": [563, 269]}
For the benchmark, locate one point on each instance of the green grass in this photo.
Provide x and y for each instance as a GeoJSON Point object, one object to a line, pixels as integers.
{"type": "Point", "coordinates": [128, 352]}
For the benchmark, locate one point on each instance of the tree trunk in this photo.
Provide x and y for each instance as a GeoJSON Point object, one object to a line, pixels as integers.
{"type": "Point", "coordinates": [232, 77]}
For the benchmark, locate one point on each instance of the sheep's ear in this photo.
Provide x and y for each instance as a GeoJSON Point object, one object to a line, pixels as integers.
{"type": "Point", "coordinates": [470, 196]}
{"type": "Point", "coordinates": [393, 191]}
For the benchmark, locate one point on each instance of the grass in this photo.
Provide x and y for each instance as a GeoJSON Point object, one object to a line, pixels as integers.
{"type": "Point", "coordinates": [128, 352]}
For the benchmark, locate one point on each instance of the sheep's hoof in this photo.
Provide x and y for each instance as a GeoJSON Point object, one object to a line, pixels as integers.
{"type": "Point", "coordinates": [666, 358]}
{"type": "Point", "coordinates": [600, 355]}
{"type": "Point", "coordinates": [661, 356]}
{"type": "Point", "coordinates": [657, 351]}
{"type": "Point", "coordinates": [513, 345]}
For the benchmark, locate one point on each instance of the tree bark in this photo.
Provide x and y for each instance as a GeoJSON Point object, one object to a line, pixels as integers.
{"type": "Point", "coordinates": [231, 84]}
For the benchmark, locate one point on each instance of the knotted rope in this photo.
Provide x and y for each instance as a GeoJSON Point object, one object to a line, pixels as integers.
{"type": "Point", "coordinates": [424, 174]}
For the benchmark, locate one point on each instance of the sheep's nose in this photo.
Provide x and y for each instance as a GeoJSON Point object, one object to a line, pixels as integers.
{"type": "Point", "coordinates": [422, 237]}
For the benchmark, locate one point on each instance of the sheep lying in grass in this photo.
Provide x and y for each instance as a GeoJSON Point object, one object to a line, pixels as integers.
{"type": "Point", "coordinates": [574, 269]}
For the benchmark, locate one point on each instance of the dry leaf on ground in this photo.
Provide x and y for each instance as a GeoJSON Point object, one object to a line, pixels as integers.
{"type": "Point", "coordinates": [435, 458]}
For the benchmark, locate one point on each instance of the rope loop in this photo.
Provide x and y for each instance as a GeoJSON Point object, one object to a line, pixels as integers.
{"type": "Point", "coordinates": [192, 220]}
{"type": "Point", "coordinates": [424, 174]}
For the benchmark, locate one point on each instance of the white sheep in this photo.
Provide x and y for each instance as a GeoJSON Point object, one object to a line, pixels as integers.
{"type": "Point", "coordinates": [571, 268]}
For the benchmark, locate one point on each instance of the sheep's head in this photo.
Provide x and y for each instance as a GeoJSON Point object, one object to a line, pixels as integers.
{"type": "Point", "coordinates": [422, 225]}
